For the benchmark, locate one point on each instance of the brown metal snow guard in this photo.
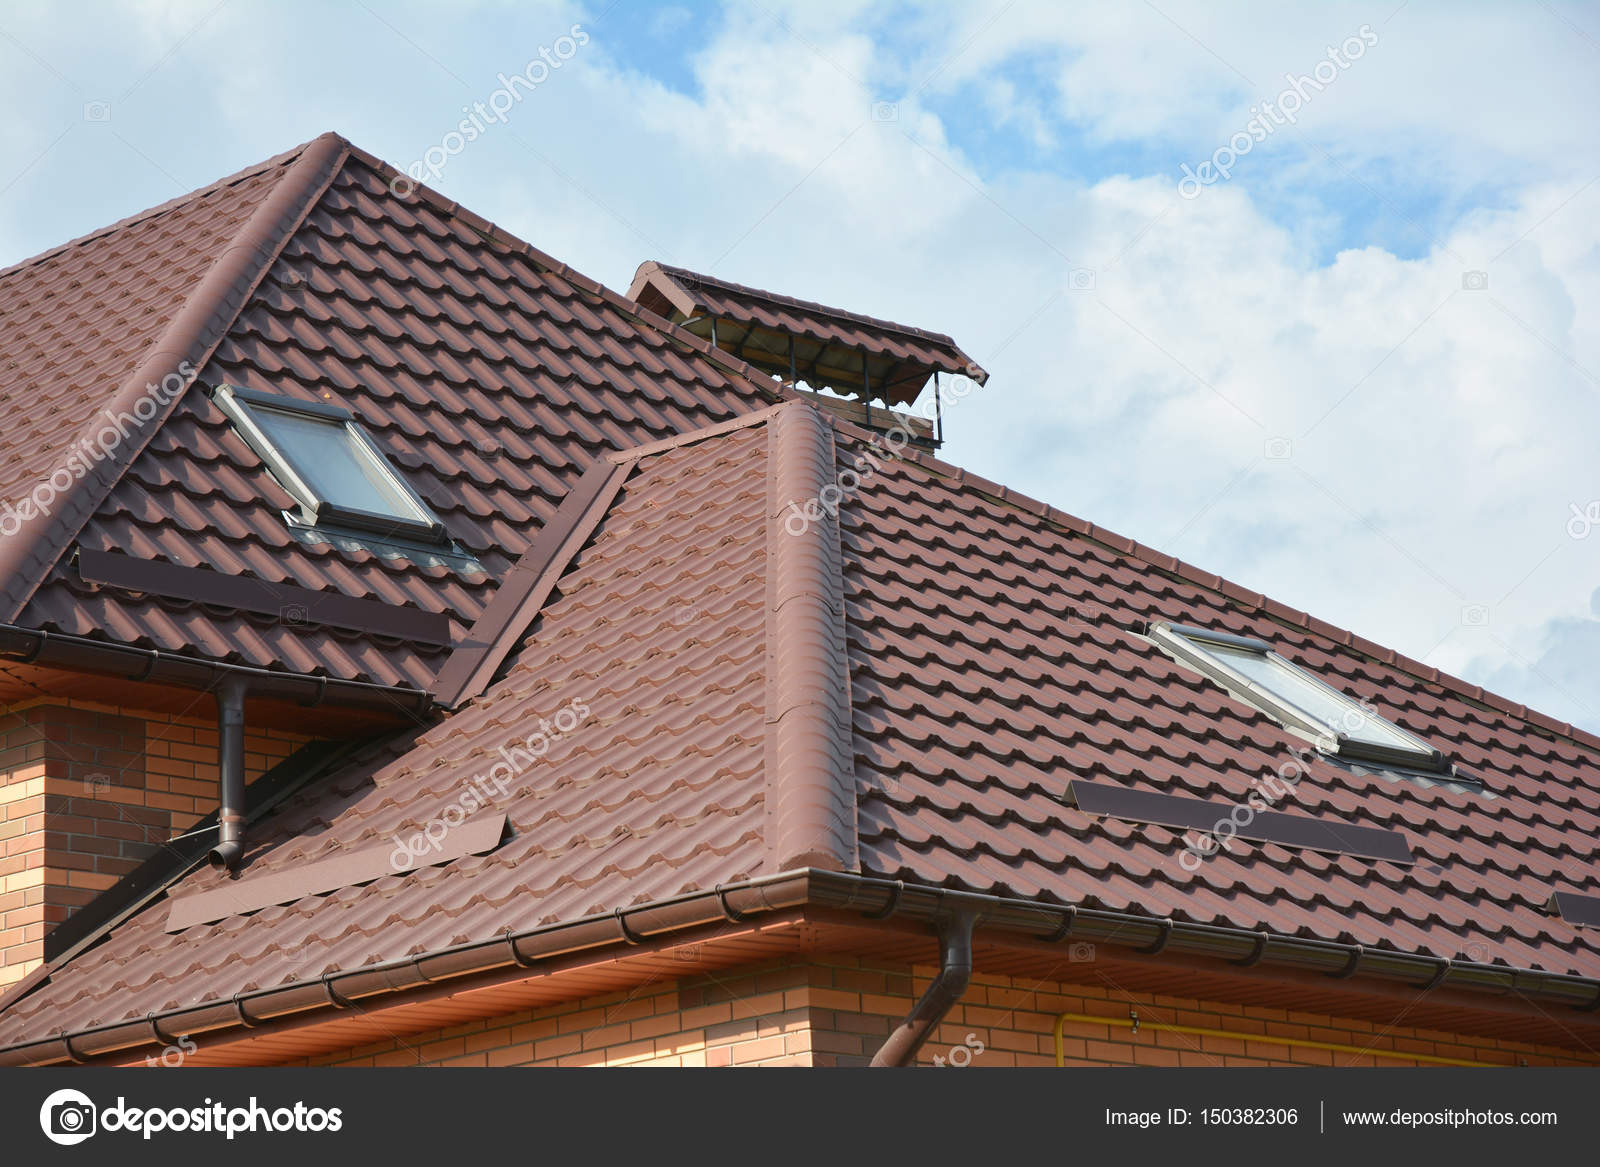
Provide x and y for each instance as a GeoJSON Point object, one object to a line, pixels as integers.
{"type": "Point", "coordinates": [512, 955]}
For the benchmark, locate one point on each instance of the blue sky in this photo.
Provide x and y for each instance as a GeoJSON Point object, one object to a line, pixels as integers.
{"type": "Point", "coordinates": [1293, 378]}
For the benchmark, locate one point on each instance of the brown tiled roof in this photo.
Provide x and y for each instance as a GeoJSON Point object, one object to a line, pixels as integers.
{"type": "Point", "coordinates": [489, 373]}
{"type": "Point", "coordinates": [995, 657]}
{"type": "Point", "coordinates": [77, 320]}
{"type": "Point", "coordinates": [657, 634]}
{"type": "Point", "coordinates": [901, 357]}
{"type": "Point", "coordinates": [906, 693]}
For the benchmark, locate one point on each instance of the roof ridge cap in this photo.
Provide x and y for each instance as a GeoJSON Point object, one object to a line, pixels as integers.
{"type": "Point", "coordinates": [1236, 593]}
{"type": "Point", "coordinates": [810, 803]}
{"type": "Point", "coordinates": [188, 340]}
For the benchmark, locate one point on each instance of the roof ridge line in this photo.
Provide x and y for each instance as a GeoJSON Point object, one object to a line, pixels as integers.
{"type": "Point", "coordinates": [810, 803]}
{"type": "Point", "coordinates": [159, 209]}
{"type": "Point", "coordinates": [1237, 593]}
{"type": "Point", "coordinates": [765, 385]}
{"type": "Point", "coordinates": [189, 338]}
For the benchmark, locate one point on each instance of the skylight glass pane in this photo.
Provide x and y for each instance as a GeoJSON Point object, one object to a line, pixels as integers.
{"type": "Point", "coordinates": [336, 465]}
{"type": "Point", "coordinates": [1338, 712]}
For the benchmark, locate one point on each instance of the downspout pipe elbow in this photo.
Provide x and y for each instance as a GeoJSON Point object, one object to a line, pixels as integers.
{"type": "Point", "coordinates": [229, 850]}
{"type": "Point", "coordinates": [955, 974]}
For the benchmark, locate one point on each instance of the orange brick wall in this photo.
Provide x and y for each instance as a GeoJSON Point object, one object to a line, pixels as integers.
{"type": "Point", "coordinates": [758, 1018]}
{"type": "Point", "coordinates": [833, 1013]}
{"type": "Point", "coordinates": [87, 792]}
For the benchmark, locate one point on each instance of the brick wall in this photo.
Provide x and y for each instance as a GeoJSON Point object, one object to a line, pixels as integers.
{"type": "Point", "coordinates": [89, 791]}
{"type": "Point", "coordinates": [832, 1013]}
{"type": "Point", "coordinates": [758, 1018]}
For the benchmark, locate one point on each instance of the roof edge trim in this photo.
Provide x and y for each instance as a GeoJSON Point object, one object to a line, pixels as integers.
{"type": "Point", "coordinates": [522, 594]}
{"type": "Point", "coordinates": [810, 790]}
{"type": "Point", "coordinates": [512, 955]}
{"type": "Point", "coordinates": [189, 339]}
{"type": "Point", "coordinates": [79, 654]}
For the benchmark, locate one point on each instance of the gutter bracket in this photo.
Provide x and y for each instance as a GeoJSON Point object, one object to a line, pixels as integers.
{"type": "Point", "coordinates": [890, 905]}
{"type": "Point", "coordinates": [732, 916]}
{"type": "Point", "coordinates": [628, 933]}
{"type": "Point", "coordinates": [1161, 941]}
{"type": "Point", "coordinates": [1357, 953]}
{"type": "Point", "coordinates": [1069, 917]}
{"type": "Point", "coordinates": [244, 1018]}
{"type": "Point", "coordinates": [1256, 953]}
{"type": "Point", "coordinates": [516, 957]}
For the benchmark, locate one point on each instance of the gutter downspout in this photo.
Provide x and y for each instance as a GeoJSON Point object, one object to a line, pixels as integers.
{"type": "Point", "coordinates": [230, 762]}
{"type": "Point", "coordinates": [955, 974]}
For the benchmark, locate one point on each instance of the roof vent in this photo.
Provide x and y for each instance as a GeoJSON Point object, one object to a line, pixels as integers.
{"type": "Point", "coordinates": [859, 358]}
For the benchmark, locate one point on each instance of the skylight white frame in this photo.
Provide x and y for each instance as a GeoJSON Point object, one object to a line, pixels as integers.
{"type": "Point", "coordinates": [240, 405]}
{"type": "Point", "coordinates": [1188, 646]}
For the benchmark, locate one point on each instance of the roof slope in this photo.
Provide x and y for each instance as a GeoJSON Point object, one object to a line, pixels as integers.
{"type": "Point", "coordinates": [489, 373]}
{"type": "Point", "coordinates": [77, 319]}
{"type": "Point", "coordinates": [656, 644]}
{"type": "Point", "coordinates": [995, 657]}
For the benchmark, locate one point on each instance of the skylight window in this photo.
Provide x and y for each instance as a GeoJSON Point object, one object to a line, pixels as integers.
{"type": "Point", "coordinates": [1254, 673]}
{"type": "Point", "coordinates": [328, 462]}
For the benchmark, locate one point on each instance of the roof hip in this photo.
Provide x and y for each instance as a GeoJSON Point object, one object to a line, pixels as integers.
{"type": "Point", "coordinates": [194, 331]}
